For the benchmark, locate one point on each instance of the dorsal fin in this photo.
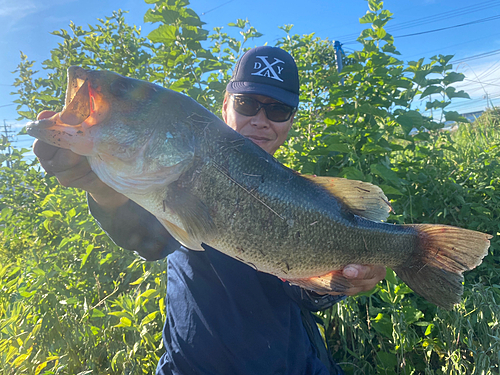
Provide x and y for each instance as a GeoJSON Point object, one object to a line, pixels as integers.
{"type": "Point", "coordinates": [362, 198]}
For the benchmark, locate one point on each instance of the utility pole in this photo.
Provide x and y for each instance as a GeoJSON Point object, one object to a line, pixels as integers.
{"type": "Point", "coordinates": [338, 58]}
{"type": "Point", "coordinates": [7, 136]}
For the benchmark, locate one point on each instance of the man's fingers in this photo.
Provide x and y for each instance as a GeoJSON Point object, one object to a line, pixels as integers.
{"type": "Point", "coordinates": [77, 173]}
{"type": "Point", "coordinates": [43, 150]}
{"type": "Point", "coordinates": [363, 272]}
{"type": "Point", "coordinates": [64, 160]}
{"type": "Point", "coordinates": [45, 114]}
{"type": "Point", "coordinates": [363, 277]}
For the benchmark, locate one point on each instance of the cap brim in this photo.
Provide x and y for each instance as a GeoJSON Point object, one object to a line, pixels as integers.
{"type": "Point", "coordinates": [274, 92]}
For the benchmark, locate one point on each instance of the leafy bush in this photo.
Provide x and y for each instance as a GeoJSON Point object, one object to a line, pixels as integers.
{"type": "Point", "coordinates": [72, 302]}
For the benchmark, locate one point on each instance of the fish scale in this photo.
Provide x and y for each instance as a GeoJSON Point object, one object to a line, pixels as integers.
{"type": "Point", "coordinates": [270, 216]}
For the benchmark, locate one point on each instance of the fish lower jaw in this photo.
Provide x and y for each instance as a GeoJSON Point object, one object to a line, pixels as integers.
{"type": "Point", "coordinates": [128, 180]}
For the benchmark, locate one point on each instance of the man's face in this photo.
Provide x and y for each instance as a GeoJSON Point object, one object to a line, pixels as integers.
{"type": "Point", "coordinates": [268, 134]}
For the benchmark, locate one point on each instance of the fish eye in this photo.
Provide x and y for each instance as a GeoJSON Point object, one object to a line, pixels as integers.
{"type": "Point", "coordinates": [121, 87]}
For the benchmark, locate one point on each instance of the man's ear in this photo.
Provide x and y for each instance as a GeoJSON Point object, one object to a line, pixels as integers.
{"type": "Point", "coordinates": [291, 121]}
{"type": "Point", "coordinates": [224, 108]}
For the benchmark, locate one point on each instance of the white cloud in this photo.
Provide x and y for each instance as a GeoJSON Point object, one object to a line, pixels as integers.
{"type": "Point", "coordinates": [11, 12]}
{"type": "Point", "coordinates": [16, 9]}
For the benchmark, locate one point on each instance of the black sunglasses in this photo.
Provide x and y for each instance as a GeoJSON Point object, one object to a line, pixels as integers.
{"type": "Point", "coordinates": [248, 106]}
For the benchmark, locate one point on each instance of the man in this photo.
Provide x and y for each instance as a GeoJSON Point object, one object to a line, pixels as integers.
{"type": "Point", "coordinates": [223, 317]}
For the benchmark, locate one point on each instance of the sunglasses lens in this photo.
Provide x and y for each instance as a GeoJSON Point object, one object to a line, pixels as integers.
{"type": "Point", "coordinates": [248, 106]}
{"type": "Point", "coordinates": [278, 112]}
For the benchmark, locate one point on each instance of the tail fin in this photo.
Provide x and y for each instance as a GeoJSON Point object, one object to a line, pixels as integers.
{"type": "Point", "coordinates": [447, 252]}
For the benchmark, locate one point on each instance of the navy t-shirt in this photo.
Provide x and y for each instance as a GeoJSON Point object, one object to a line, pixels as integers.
{"type": "Point", "coordinates": [223, 317]}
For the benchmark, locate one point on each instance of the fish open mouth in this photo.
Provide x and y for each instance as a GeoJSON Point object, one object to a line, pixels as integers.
{"type": "Point", "coordinates": [84, 107]}
{"type": "Point", "coordinates": [78, 102]}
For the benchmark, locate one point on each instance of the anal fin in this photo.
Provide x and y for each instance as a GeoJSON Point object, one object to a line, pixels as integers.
{"type": "Point", "coordinates": [333, 281]}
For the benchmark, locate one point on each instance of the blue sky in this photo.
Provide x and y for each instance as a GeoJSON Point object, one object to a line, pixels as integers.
{"type": "Point", "coordinates": [26, 27]}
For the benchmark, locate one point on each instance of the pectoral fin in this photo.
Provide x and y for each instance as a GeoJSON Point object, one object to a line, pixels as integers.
{"type": "Point", "coordinates": [193, 214]}
{"type": "Point", "coordinates": [362, 198]}
{"type": "Point", "coordinates": [181, 235]}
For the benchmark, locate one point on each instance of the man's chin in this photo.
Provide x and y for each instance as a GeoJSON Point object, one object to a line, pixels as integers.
{"type": "Point", "coordinates": [265, 144]}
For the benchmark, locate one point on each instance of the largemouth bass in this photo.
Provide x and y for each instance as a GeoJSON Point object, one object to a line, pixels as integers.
{"type": "Point", "coordinates": [210, 185]}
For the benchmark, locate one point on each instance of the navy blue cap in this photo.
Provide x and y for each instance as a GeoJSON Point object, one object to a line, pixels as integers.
{"type": "Point", "coordinates": [268, 71]}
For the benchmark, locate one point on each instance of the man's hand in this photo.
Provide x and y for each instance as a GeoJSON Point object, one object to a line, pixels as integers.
{"type": "Point", "coordinates": [362, 277]}
{"type": "Point", "coordinates": [73, 170]}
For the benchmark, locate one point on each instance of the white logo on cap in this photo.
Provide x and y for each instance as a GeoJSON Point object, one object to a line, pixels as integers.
{"type": "Point", "coordinates": [268, 70]}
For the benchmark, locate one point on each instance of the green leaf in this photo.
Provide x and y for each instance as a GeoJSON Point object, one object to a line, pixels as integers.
{"type": "Point", "coordinates": [381, 33]}
{"type": "Point", "coordinates": [371, 148]}
{"type": "Point", "coordinates": [49, 214]}
{"type": "Point", "coordinates": [390, 190]}
{"type": "Point", "coordinates": [409, 120]}
{"type": "Point", "coordinates": [390, 276]}
{"type": "Point", "coordinates": [368, 18]}
{"type": "Point", "coordinates": [339, 147]}
{"type": "Point", "coordinates": [412, 314]}
{"type": "Point", "coordinates": [165, 34]}
{"type": "Point", "coordinates": [375, 5]}
{"type": "Point", "coordinates": [124, 322]}
{"type": "Point", "coordinates": [118, 358]}
{"type": "Point", "coordinates": [20, 359]}
{"type": "Point", "coordinates": [138, 281]}
{"type": "Point", "coordinates": [386, 362]}
{"type": "Point", "coordinates": [454, 116]}
{"type": "Point", "coordinates": [453, 77]}
{"type": "Point", "coordinates": [149, 318]}
{"type": "Point", "coordinates": [429, 329]}
{"type": "Point", "coordinates": [352, 174]}
{"type": "Point", "coordinates": [38, 271]}
{"type": "Point", "coordinates": [431, 90]}
{"type": "Point", "coordinates": [71, 213]}
{"type": "Point", "coordinates": [27, 294]}
{"type": "Point", "coordinates": [96, 313]}
{"type": "Point", "coordinates": [383, 325]}
{"type": "Point", "coordinates": [121, 314]}
{"type": "Point", "coordinates": [384, 172]}
{"type": "Point", "coordinates": [87, 254]}
{"type": "Point", "coordinates": [182, 84]}
{"type": "Point", "coordinates": [451, 92]}
{"type": "Point", "coordinates": [69, 240]}
{"type": "Point", "coordinates": [150, 293]}
{"type": "Point", "coordinates": [152, 16]}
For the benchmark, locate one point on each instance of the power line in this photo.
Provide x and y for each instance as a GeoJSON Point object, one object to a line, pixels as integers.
{"type": "Point", "coordinates": [451, 27]}
{"type": "Point", "coordinates": [479, 56]}
{"type": "Point", "coordinates": [472, 102]}
{"type": "Point", "coordinates": [6, 105]}
{"type": "Point", "coordinates": [420, 54]}
{"type": "Point", "coordinates": [438, 17]}
{"type": "Point", "coordinates": [488, 72]}
{"type": "Point", "coordinates": [217, 7]}
{"type": "Point", "coordinates": [446, 15]}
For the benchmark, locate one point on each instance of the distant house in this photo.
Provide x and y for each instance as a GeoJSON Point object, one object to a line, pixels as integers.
{"type": "Point", "coordinates": [472, 116]}
{"type": "Point", "coordinates": [452, 125]}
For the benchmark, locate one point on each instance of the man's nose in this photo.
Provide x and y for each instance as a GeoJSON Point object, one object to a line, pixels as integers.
{"type": "Point", "coordinates": [260, 119]}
